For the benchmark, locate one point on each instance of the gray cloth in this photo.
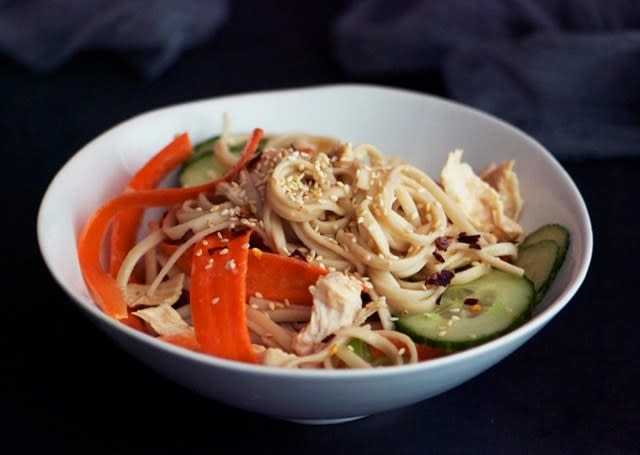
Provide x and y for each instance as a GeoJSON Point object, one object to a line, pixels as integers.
{"type": "Point", "coordinates": [44, 34]}
{"type": "Point", "coordinates": [565, 71]}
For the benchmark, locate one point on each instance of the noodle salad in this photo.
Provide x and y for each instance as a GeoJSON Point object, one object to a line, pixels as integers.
{"type": "Point", "coordinates": [303, 251]}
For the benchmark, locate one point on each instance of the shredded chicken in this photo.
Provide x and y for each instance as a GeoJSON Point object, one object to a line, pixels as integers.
{"type": "Point", "coordinates": [336, 301]}
{"type": "Point", "coordinates": [167, 293]}
{"type": "Point", "coordinates": [479, 201]}
{"type": "Point", "coordinates": [164, 320]}
{"type": "Point", "coordinates": [502, 179]}
{"type": "Point", "coordinates": [276, 357]}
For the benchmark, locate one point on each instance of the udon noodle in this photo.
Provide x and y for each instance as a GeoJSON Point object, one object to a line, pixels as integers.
{"type": "Point", "coordinates": [365, 217]}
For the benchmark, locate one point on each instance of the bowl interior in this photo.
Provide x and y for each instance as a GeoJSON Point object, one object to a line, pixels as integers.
{"type": "Point", "coordinates": [420, 128]}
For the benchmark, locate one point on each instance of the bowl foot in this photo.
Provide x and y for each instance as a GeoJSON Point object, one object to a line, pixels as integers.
{"type": "Point", "coordinates": [325, 421]}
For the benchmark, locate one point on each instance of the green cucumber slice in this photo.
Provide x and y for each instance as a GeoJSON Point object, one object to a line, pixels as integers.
{"type": "Point", "coordinates": [553, 231]}
{"type": "Point", "coordinates": [203, 170]}
{"type": "Point", "coordinates": [201, 149]}
{"type": "Point", "coordinates": [541, 254]}
{"type": "Point", "coordinates": [505, 301]}
{"type": "Point", "coordinates": [540, 264]}
{"type": "Point", "coordinates": [203, 167]}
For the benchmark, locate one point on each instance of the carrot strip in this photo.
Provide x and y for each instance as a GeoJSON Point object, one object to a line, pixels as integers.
{"type": "Point", "coordinates": [426, 352]}
{"type": "Point", "coordinates": [280, 278]}
{"type": "Point", "coordinates": [269, 275]}
{"type": "Point", "coordinates": [184, 340]}
{"type": "Point", "coordinates": [102, 286]}
{"type": "Point", "coordinates": [184, 261]}
{"type": "Point", "coordinates": [218, 297]}
{"type": "Point", "coordinates": [125, 225]}
{"type": "Point", "coordinates": [134, 322]}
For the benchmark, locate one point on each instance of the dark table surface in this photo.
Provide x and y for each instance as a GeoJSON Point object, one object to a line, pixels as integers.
{"type": "Point", "coordinates": [571, 389]}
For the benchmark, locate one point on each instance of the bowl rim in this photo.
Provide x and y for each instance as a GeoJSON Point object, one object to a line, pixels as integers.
{"type": "Point", "coordinates": [523, 332]}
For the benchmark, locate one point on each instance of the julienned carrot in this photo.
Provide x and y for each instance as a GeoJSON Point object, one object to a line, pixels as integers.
{"type": "Point", "coordinates": [281, 278]}
{"type": "Point", "coordinates": [217, 297]}
{"type": "Point", "coordinates": [426, 352]}
{"type": "Point", "coordinates": [125, 225]}
{"type": "Point", "coordinates": [269, 275]}
{"type": "Point", "coordinates": [183, 339]}
{"type": "Point", "coordinates": [134, 322]}
{"type": "Point", "coordinates": [102, 286]}
{"type": "Point", "coordinates": [184, 261]}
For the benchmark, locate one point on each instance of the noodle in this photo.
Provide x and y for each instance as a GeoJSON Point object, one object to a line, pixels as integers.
{"type": "Point", "coordinates": [351, 210]}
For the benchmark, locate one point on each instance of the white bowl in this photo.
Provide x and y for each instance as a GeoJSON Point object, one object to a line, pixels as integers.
{"type": "Point", "coordinates": [421, 128]}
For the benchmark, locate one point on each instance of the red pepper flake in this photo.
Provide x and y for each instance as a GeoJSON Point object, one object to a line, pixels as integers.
{"type": "Point", "coordinates": [298, 255]}
{"type": "Point", "coordinates": [239, 230]}
{"type": "Point", "coordinates": [438, 257]}
{"type": "Point", "coordinates": [467, 238]}
{"type": "Point", "coordinates": [443, 242]}
{"type": "Point", "coordinates": [442, 278]}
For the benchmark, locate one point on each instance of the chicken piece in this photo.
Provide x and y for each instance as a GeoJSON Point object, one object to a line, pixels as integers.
{"type": "Point", "coordinates": [164, 320]}
{"type": "Point", "coordinates": [276, 357]}
{"type": "Point", "coordinates": [478, 200]}
{"type": "Point", "coordinates": [167, 293]}
{"type": "Point", "coordinates": [336, 301]}
{"type": "Point", "coordinates": [504, 180]}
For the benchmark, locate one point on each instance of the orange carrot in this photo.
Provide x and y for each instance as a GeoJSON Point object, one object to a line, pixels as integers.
{"type": "Point", "coordinates": [134, 322]}
{"type": "Point", "coordinates": [184, 261]}
{"type": "Point", "coordinates": [184, 340]}
{"type": "Point", "coordinates": [426, 352]}
{"type": "Point", "coordinates": [280, 278]}
{"type": "Point", "coordinates": [102, 286]}
{"type": "Point", "coordinates": [125, 225]}
{"type": "Point", "coordinates": [218, 297]}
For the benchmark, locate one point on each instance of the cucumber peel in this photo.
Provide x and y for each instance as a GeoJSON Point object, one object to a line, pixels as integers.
{"type": "Point", "coordinates": [541, 254]}
{"type": "Point", "coordinates": [473, 313]}
{"type": "Point", "coordinates": [202, 166]}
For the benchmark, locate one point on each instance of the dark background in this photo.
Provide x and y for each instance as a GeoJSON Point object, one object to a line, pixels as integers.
{"type": "Point", "coordinates": [571, 389]}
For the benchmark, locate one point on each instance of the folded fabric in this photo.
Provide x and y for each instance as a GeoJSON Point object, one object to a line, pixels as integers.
{"type": "Point", "coordinates": [44, 34]}
{"type": "Point", "coordinates": [564, 71]}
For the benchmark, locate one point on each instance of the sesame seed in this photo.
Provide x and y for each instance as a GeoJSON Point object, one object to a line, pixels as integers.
{"type": "Point", "coordinates": [230, 265]}
{"type": "Point", "coordinates": [215, 300]}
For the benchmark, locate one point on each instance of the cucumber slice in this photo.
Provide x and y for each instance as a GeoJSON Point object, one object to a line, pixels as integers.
{"type": "Point", "coordinates": [473, 313]}
{"type": "Point", "coordinates": [555, 232]}
{"type": "Point", "coordinates": [541, 254]}
{"type": "Point", "coordinates": [203, 167]}
{"type": "Point", "coordinates": [540, 264]}
{"type": "Point", "coordinates": [201, 149]}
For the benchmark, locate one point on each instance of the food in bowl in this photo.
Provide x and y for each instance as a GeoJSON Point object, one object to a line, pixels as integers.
{"type": "Point", "coordinates": [304, 251]}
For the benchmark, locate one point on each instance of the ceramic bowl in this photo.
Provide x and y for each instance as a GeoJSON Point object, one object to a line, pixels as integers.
{"type": "Point", "coordinates": [418, 127]}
